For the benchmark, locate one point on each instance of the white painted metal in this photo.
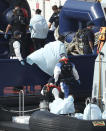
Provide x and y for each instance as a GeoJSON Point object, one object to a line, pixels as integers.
{"type": "Point", "coordinates": [21, 103]}
{"type": "Point", "coordinates": [95, 88]}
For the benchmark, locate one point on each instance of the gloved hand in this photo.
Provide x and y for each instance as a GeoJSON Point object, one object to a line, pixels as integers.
{"type": "Point", "coordinates": [93, 52]}
{"type": "Point", "coordinates": [5, 36]}
{"type": "Point", "coordinates": [22, 63]}
{"type": "Point", "coordinates": [30, 27]}
{"type": "Point", "coordinates": [79, 82]}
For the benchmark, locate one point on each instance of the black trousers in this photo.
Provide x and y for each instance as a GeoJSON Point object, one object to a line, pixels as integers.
{"type": "Point", "coordinates": [38, 43]}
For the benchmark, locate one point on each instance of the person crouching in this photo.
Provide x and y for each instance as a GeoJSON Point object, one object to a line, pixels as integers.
{"type": "Point", "coordinates": [66, 75]}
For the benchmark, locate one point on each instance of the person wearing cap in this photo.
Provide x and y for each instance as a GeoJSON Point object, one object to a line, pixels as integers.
{"type": "Point", "coordinates": [39, 30]}
{"type": "Point", "coordinates": [92, 111]}
{"type": "Point", "coordinates": [16, 47]}
{"type": "Point", "coordinates": [66, 75]}
{"type": "Point", "coordinates": [89, 39]}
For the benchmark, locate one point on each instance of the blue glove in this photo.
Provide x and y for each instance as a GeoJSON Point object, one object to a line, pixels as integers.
{"type": "Point", "coordinates": [22, 63]}
{"type": "Point", "coordinates": [79, 82]}
{"type": "Point", "coordinates": [5, 36]}
{"type": "Point", "coordinates": [30, 27]}
{"type": "Point", "coordinates": [93, 52]}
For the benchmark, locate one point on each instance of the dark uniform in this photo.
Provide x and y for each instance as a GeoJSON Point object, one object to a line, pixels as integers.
{"type": "Point", "coordinates": [19, 22]}
{"type": "Point", "coordinates": [89, 36]}
{"type": "Point", "coordinates": [11, 48]}
{"type": "Point", "coordinates": [54, 18]}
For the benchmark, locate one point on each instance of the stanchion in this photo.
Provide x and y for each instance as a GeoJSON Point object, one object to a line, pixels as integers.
{"type": "Point", "coordinates": [21, 103]}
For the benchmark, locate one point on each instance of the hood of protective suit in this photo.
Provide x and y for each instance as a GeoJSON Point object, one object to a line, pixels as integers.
{"type": "Point", "coordinates": [47, 57]}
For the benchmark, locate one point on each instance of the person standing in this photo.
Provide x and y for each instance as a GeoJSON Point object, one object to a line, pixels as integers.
{"type": "Point", "coordinates": [16, 47]}
{"type": "Point", "coordinates": [39, 30]}
{"type": "Point", "coordinates": [88, 39]}
{"type": "Point", "coordinates": [54, 19]}
{"type": "Point", "coordinates": [66, 75]}
{"type": "Point", "coordinates": [18, 22]}
{"type": "Point", "coordinates": [17, 51]}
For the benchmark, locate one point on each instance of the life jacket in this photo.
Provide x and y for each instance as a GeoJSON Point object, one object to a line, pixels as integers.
{"type": "Point", "coordinates": [19, 21]}
{"type": "Point", "coordinates": [66, 71]}
{"type": "Point", "coordinates": [11, 48]}
{"type": "Point", "coordinates": [102, 38]}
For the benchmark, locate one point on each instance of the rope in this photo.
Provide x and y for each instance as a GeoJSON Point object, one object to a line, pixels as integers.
{"type": "Point", "coordinates": [14, 111]}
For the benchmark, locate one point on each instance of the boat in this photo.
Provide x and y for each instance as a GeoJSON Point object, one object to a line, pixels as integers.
{"type": "Point", "coordinates": [33, 75]}
{"type": "Point", "coordinates": [44, 120]}
{"type": "Point", "coordinates": [75, 14]}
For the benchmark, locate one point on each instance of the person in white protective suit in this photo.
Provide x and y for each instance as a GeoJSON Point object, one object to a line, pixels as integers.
{"type": "Point", "coordinates": [92, 111]}
{"type": "Point", "coordinates": [47, 57]}
{"type": "Point", "coordinates": [39, 30]}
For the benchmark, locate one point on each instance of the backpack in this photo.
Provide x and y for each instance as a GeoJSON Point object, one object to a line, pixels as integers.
{"type": "Point", "coordinates": [66, 73]}
{"type": "Point", "coordinates": [66, 69]}
{"type": "Point", "coordinates": [20, 18]}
